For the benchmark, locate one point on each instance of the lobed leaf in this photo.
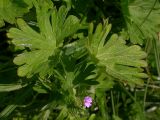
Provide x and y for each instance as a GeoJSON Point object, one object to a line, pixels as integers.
{"type": "Point", "coordinates": [54, 27]}
{"type": "Point", "coordinates": [120, 61]}
{"type": "Point", "coordinates": [142, 19]}
{"type": "Point", "coordinates": [10, 9]}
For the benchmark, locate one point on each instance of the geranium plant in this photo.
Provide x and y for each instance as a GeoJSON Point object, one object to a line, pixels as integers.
{"type": "Point", "coordinates": [74, 59]}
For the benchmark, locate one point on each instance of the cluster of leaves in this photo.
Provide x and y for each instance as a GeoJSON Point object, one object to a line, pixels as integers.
{"type": "Point", "coordinates": [62, 52]}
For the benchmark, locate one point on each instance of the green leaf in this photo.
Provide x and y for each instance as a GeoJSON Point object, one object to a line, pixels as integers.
{"type": "Point", "coordinates": [136, 112]}
{"type": "Point", "coordinates": [19, 98]}
{"type": "Point", "coordinates": [120, 61]}
{"type": "Point", "coordinates": [116, 117]}
{"type": "Point", "coordinates": [142, 19]}
{"type": "Point", "coordinates": [10, 87]}
{"type": "Point", "coordinates": [40, 89]}
{"type": "Point", "coordinates": [54, 27]}
{"type": "Point", "coordinates": [7, 111]}
{"type": "Point", "coordinates": [62, 114]}
{"type": "Point", "coordinates": [92, 117]}
{"type": "Point", "coordinates": [105, 83]}
{"type": "Point", "coordinates": [10, 9]}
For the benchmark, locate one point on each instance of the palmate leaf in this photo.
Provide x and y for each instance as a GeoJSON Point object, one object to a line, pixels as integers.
{"type": "Point", "coordinates": [142, 18]}
{"type": "Point", "coordinates": [10, 9]}
{"type": "Point", "coordinates": [120, 61]}
{"type": "Point", "coordinates": [43, 46]}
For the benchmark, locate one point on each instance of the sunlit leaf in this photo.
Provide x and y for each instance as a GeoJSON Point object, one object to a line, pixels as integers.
{"type": "Point", "coordinates": [120, 61]}
{"type": "Point", "coordinates": [54, 27]}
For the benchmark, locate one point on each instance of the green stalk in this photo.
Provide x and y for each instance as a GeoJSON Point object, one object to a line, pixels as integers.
{"type": "Point", "coordinates": [145, 94]}
{"type": "Point", "coordinates": [113, 107]}
{"type": "Point", "coordinates": [157, 57]}
{"type": "Point", "coordinates": [103, 108]}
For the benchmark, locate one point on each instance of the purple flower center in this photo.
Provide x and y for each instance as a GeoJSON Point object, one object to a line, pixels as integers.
{"type": "Point", "coordinates": [87, 101]}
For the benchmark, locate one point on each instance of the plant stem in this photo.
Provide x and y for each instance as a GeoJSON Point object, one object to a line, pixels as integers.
{"type": "Point", "coordinates": [157, 57]}
{"type": "Point", "coordinates": [113, 107]}
{"type": "Point", "coordinates": [145, 94]}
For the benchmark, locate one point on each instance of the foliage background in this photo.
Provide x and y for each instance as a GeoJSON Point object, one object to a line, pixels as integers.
{"type": "Point", "coordinates": [53, 53]}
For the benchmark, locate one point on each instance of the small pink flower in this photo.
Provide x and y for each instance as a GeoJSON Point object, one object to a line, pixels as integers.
{"type": "Point", "coordinates": [87, 101]}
